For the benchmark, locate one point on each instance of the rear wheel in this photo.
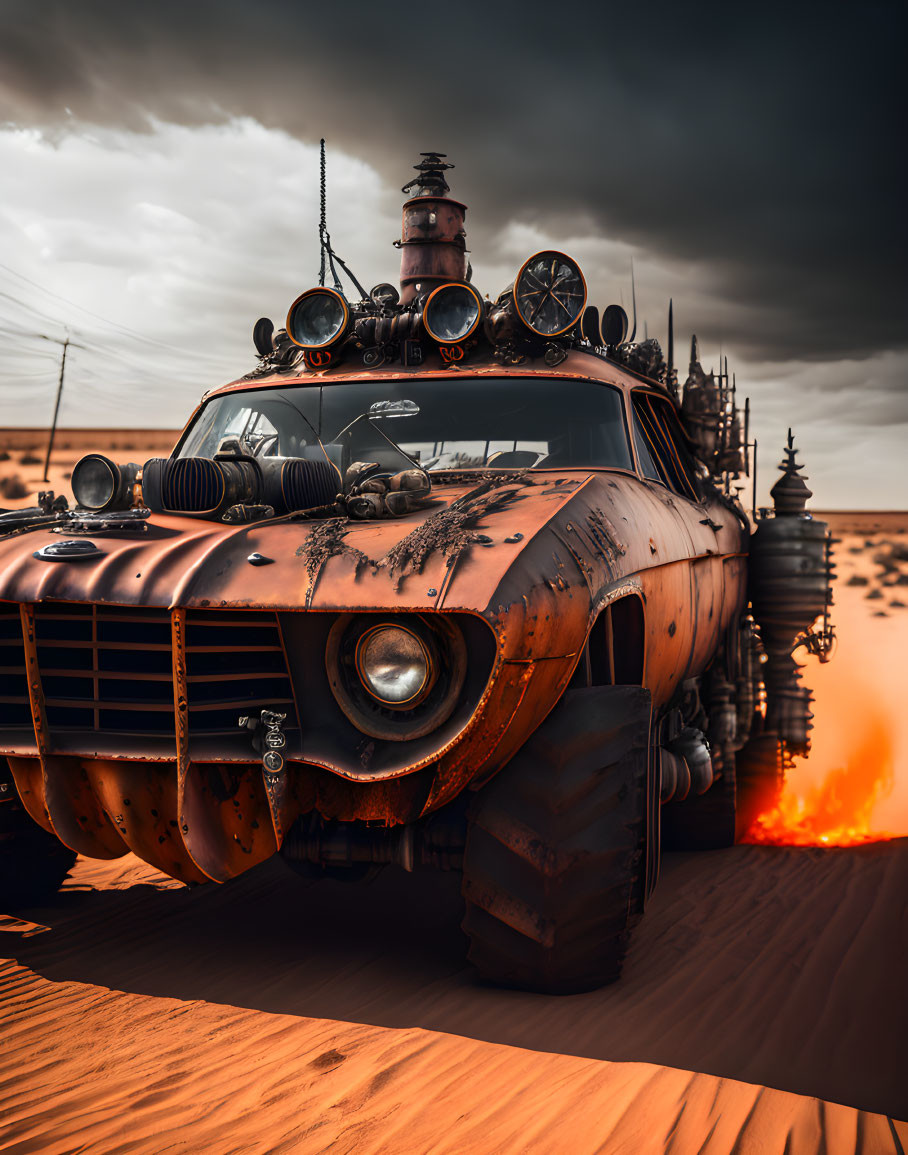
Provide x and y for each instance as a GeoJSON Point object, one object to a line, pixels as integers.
{"type": "Point", "coordinates": [33, 862]}
{"type": "Point", "coordinates": [555, 860]}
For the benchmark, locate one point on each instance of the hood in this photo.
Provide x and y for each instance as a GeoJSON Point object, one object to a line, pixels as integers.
{"type": "Point", "coordinates": [453, 553]}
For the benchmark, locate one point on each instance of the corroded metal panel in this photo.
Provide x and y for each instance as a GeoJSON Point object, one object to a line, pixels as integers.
{"type": "Point", "coordinates": [537, 555]}
{"type": "Point", "coordinates": [66, 802]}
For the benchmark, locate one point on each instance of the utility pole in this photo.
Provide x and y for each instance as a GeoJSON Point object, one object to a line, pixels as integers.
{"type": "Point", "coordinates": [53, 429]}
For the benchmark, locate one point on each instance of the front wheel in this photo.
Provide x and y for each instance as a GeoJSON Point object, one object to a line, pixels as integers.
{"type": "Point", "coordinates": [555, 864]}
{"type": "Point", "coordinates": [33, 862]}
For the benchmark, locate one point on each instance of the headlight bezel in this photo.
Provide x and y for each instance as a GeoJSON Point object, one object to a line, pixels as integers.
{"type": "Point", "coordinates": [446, 654]}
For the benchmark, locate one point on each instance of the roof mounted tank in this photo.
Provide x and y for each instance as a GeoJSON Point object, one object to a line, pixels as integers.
{"type": "Point", "coordinates": [433, 244]}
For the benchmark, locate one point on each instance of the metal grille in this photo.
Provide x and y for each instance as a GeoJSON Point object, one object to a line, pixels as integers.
{"type": "Point", "coordinates": [106, 668]}
{"type": "Point", "coordinates": [235, 665]}
{"type": "Point", "coordinates": [110, 669]}
{"type": "Point", "coordinates": [14, 708]}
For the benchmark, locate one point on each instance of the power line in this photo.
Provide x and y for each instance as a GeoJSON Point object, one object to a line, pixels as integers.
{"type": "Point", "coordinates": [133, 359]}
{"type": "Point", "coordinates": [26, 307]}
{"type": "Point", "coordinates": [169, 350]}
{"type": "Point", "coordinates": [97, 316]}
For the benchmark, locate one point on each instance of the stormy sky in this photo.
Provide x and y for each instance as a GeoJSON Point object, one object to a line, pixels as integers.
{"type": "Point", "coordinates": [158, 190]}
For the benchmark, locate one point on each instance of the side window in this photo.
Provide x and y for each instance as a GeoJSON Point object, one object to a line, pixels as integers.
{"type": "Point", "coordinates": [660, 445]}
{"type": "Point", "coordinates": [648, 465]}
{"type": "Point", "coordinates": [683, 461]}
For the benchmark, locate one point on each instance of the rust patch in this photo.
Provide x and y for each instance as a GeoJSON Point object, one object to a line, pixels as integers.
{"type": "Point", "coordinates": [450, 531]}
{"type": "Point", "coordinates": [464, 476]}
{"type": "Point", "coordinates": [326, 540]}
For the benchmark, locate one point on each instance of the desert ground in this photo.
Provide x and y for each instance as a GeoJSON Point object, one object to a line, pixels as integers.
{"type": "Point", "coordinates": [762, 1008]}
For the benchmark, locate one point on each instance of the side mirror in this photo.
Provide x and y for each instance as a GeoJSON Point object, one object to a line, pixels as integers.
{"type": "Point", "coordinates": [393, 409]}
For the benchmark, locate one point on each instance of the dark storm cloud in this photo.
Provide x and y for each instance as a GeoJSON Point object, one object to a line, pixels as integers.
{"type": "Point", "coordinates": [763, 143]}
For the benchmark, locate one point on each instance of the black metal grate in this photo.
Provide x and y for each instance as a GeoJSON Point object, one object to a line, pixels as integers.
{"type": "Point", "coordinates": [14, 708]}
{"type": "Point", "coordinates": [109, 669]}
{"type": "Point", "coordinates": [106, 668]}
{"type": "Point", "coordinates": [235, 665]}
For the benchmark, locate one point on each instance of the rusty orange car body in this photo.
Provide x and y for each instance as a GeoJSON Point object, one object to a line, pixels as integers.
{"type": "Point", "coordinates": [134, 665]}
{"type": "Point", "coordinates": [582, 540]}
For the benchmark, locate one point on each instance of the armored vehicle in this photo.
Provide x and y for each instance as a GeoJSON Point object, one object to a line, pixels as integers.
{"type": "Point", "coordinates": [446, 581]}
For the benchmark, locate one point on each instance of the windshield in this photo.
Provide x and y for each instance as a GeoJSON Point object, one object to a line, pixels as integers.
{"type": "Point", "coordinates": [456, 422]}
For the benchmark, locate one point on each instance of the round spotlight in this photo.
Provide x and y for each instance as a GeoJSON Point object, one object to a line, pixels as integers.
{"type": "Point", "coordinates": [452, 313]}
{"type": "Point", "coordinates": [550, 293]}
{"type": "Point", "coordinates": [98, 484]}
{"type": "Point", "coordinates": [385, 295]}
{"type": "Point", "coordinates": [394, 664]}
{"type": "Point", "coordinates": [318, 318]}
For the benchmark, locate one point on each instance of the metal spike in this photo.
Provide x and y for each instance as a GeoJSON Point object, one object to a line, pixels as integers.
{"type": "Point", "coordinates": [671, 339]}
{"type": "Point", "coordinates": [634, 303]}
{"type": "Point", "coordinates": [755, 483]}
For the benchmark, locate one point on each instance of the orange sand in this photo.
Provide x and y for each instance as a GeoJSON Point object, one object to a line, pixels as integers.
{"type": "Point", "coordinates": [149, 1019]}
{"type": "Point", "coordinates": [265, 1016]}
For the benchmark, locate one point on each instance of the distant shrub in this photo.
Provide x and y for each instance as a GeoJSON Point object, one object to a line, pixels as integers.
{"type": "Point", "coordinates": [4, 456]}
{"type": "Point", "coordinates": [12, 488]}
{"type": "Point", "coordinates": [29, 459]}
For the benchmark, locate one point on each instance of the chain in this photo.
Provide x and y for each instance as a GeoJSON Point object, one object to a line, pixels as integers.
{"type": "Point", "coordinates": [322, 224]}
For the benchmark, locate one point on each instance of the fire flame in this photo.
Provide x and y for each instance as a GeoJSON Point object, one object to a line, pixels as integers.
{"type": "Point", "coordinates": [838, 811]}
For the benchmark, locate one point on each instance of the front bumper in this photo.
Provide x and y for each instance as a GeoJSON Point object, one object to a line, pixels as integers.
{"type": "Point", "coordinates": [120, 724]}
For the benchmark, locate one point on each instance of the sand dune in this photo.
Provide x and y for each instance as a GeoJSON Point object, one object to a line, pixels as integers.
{"type": "Point", "coordinates": [271, 1016]}
{"type": "Point", "coordinates": [164, 1076]}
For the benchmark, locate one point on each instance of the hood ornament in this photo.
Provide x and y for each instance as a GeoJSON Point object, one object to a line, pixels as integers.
{"type": "Point", "coordinates": [77, 550]}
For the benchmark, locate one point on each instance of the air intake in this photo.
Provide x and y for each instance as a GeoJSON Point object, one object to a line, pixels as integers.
{"type": "Point", "coordinates": [199, 486]}
{"type": "Point", "coordinates": [306, 484]}
{"type": "Point", "coordinates": [195, 484]}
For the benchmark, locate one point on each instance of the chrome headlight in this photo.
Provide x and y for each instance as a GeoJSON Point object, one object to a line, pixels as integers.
{"type": "Point", "coordinates": [398, 678]}
{"type": "Point", "coordinates": [394, 665]}
{"type": "Point", "coordinates": [452, 313]}
{"type": "Point", "coordinates": [98, 484]}
{"type": "Point", "coordinates": [318, 318]}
